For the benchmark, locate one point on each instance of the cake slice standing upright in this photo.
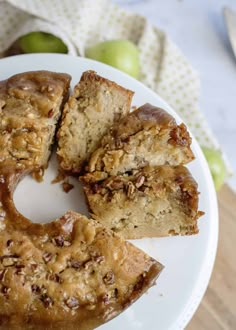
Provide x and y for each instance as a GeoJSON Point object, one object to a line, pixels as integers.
{"type": "Point", "coordinates": [96, 104]}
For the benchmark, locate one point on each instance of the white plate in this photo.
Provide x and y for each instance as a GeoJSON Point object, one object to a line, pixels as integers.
{"type": "Point", "coordinates": [188, 260]}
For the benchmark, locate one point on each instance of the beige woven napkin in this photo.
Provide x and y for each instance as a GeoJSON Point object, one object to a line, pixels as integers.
{"type": "Point", "coordinates": [81, 23]}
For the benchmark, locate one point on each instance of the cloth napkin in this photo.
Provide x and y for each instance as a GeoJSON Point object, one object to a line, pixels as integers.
{"type": "Point", "coordinates": [82, 23]}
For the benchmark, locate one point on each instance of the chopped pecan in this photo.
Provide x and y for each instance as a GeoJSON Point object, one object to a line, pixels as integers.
{"type": "Point", "coordinates": [47, 257]}
{"type": "Point", "coordinates": [54, 277]}
{"type": "Point", "coordinates": [19, 269]}
{"type": "Point", "coordinates": [99, 259]}
{"type": "Point", "coordinates": [88, 263]}
{"type": "Point", "coordinates": [34, 267]}
{"type": "Point", "coordinates": [46, 300]}
{"type": "Point", "coordinates": [115, 184]}
{"type": "Point", "coordinates": [20, 266]}
{"type": "Point", "coordinates": [75, 264]}
{"type": "Point", "coordinates": [179, 179]}
{"type": "Point", "coordinates": [105, 299]}
{"type": "Point", "coordinates": [59, 240]}
{"type": "Point", "coordinates": [67, 243]}
{"type": "Point", "coordinates": [35, 288]}
{"type": "Point", "coordinates": [72, 303]}
{"type": "Point", "coordinates": [130, 189]}
{"type": "Point", "coordinates": [9, 242]}
{"type": "Point", "coordinates": [140, 181]}
{"type": "Point", "coordinates": [5, 289]}
{"type": "Point", "coordinates": [109, 278]}
{"type": "Point", "coordinates": [95, 188]}
{"type": "Point", "coordinates": [50, 113]}
{"type": "Point", "coordinates": [67, 186]}
{"type": "Point", "coordinates": [2, 274]}
{"type": "Point", "coordinates": [9, 260]}
{"type": "Point", "coordinates": [2, 215]}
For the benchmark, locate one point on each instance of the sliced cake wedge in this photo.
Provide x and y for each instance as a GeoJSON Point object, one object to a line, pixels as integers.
{"type": "Point", "coordinates": [151, 202]}
{"type": "Point", "coordinates": [30, 107]}
{"type": "Point", "coordinates": [147, 136]}
{"type": "Point", "coordinates": [71, 273]}
{"type": "Point", "coordinates": [94, 106]}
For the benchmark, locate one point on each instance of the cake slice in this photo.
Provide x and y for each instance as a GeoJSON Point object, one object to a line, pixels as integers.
{"type": "Point", "coordinates": [151, 202]}
{"type": "Point", "coordinates": [71, 273]}
{"type": "Point", "coordinates": [94, 106]}
{"type": "Point", "coordinates": [30, 106]}
{"type": "Point", "coordinates": [147, 136]}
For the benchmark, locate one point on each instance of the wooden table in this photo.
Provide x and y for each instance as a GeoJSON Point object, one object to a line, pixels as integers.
{"type": "Point", "coordinates": [217, 310]}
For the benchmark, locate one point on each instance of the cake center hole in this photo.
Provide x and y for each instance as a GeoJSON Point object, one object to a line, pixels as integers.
{"type": "Point", "coordinates": [43, 202]}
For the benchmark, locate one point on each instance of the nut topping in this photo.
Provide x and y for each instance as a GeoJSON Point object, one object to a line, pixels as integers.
{"type": "Point", "coordinates": [50, 113]}
{"type": "Point", "coordinates": [5, 289]}
{"type": "Point", "coordinates": [2, 274]}
{"type": "Point", "coordinates": [46, 300]}
{"type": "Point", "coordinates": [109, 278]}
{"type": "Point", "coordinates": [75, 264]}
{"type": "Point", "coordinates": [72, 303]}
{"type": "Point", "coordinates": [130, 189]}
{"type": "Point", "coordinates": [35, 288]}
{"type": "Point", "coordinates": [140, 181]}
{"type": "Point", "coordinates": [58, 240]}
{"type": "Point", "coordinates": [9, 242]}
{"type": "Point", "coordinates": [105, 299]}
{"type": "Point", "coordinates": [47, 256]}
{"type": "Point", "coordinates": [99, 259]}
{"type": "Point", "coordinates": [9, 260]}
{"type": "Point", "coordinates": [54, 277]}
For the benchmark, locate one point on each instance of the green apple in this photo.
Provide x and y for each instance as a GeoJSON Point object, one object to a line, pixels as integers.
{"type": "Point", "coordinates": [216, 165]}
{"type": "Point", "coordinates": [121, 54]}
{"type": "Point", "coordinates": [41, 42]}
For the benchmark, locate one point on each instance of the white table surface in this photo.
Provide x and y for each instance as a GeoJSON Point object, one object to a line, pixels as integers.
{"type": "Point", "coordinates": [198, 28]}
